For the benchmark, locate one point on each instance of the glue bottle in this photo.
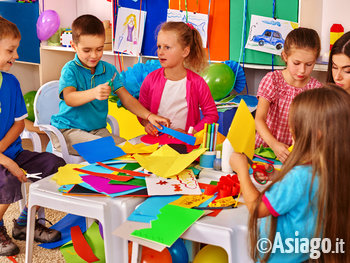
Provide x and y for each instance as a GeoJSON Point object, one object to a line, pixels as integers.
{"type": "Point", "coordinates": [217, 161]}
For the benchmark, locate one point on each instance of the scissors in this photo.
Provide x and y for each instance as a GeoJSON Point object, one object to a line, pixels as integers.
{"type": "Point", "coordinates": [110, 83]}
{"type": "Point", "coordinates": [33, 175]}
{"type": "Point", "coordinates": [262, 169]}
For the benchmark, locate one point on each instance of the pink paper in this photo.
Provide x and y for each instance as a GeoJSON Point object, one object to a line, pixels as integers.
{"type": "Point", "coordinates": [101, 184]}
{"type": "Point", "coordinates": [162, 139]}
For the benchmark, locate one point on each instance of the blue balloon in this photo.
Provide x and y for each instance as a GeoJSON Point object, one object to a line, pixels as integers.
{"type": "Point", "coordinates": [178, 252]}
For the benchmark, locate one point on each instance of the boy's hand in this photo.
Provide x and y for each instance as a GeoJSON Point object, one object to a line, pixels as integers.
{"type": "Point", "coordinates": [102, 91]}
{"type": "Point", "coordinates": [16, 170]}
{"type": "Point", "coordinates": [156, 120]}
{"type": "Point", "coordinates": [281, 151]}
{"type": "Point", "coordinates": [239, 163]}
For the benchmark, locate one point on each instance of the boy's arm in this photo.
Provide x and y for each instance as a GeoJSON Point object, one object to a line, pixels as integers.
{"type": "Point", "coordinates": [13, 167]}
{"type": "Point", "coordinates": [239, 164]}
{"type": "Point", "coordinates": [74, 98]}
{"type": "Point", "coordinates": [280, 149]}
{"type": "Point", "coordinates": [136, 108]}
{"type": "Point", "coordinates": [13, 133]}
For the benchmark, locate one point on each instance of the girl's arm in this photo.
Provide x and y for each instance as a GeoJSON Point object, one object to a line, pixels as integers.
{"type": "Point", "coordinates": [139, 110]}
{"type": "Point", "coordinates": [250, 193]}
{"type": "Point", "coordinates": [280, 149]}
{"type": "Point", "coordinates": [74, 98]}
{"type": "Point", "coordinates": [13, 133]}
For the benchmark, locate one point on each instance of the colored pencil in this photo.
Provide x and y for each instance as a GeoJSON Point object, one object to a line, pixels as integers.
{"type": "Point", "coordinates": [208, 136]}
{"type": "Point", "coordinates": [212, 132]}
{"type": "Point", "coordinates": [205, 134]}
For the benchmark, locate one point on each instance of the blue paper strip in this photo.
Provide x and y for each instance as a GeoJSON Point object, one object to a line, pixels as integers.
{"type": "Point", "coordinates": [189, 139]}
{"type": "Point", "coordinates": [99, 150]}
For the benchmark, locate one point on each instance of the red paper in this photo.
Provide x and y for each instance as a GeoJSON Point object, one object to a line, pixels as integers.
{"type": "Point", "coordinates": [81, 246]}
{"type": "Point", "coordinates": [109, 176]}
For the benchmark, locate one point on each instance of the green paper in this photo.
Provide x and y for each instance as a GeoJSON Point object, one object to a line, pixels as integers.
{"type": "Point", "coordinates": [94, 239]}
{"type": "Point", "coordinates": [265, 152]}
{"type": "Point", "coordinates": [171, 223]}
{"type": "Point", "coordinates": [287, 10]}
{"type": "Point", "coordinates": [135, 181]}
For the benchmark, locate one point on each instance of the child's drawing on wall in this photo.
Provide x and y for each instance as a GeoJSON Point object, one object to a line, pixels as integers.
{"type": "Point", "coordinates": [129, 30]}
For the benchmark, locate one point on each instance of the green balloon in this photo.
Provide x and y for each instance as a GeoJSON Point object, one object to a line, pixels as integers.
{"type": "Point", "coordinates": [220, 79]}
{"type": "Point", "coordinates": [29, 101]}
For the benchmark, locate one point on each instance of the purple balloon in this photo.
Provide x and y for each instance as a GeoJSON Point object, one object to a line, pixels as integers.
{"type": "Point", "coordinates": [47, 24]}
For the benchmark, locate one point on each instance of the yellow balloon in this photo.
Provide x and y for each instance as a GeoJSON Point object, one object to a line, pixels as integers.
{"type": "Point", "coordinates": [211, 254]}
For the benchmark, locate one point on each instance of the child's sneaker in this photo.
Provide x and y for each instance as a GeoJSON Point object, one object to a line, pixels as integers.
{"type": "Point", "coordinates": [7, 247]}
{"type": "Point", "coordinates": [42, 234]}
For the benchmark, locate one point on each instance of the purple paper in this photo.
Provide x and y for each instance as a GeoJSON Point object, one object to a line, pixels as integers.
{"type": "Point", "coordinates": [102, 184]}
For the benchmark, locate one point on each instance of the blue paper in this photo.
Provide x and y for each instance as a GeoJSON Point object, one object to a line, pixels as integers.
{"type": "Point", "coordinates": [64, 226]}
{"type": "Point", "coordinates": [189, 139]}
{"type": "Point", "coordinates": [99, 150]}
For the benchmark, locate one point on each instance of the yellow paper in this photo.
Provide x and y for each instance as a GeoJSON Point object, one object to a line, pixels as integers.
{"type": "Point", "coordinates": [290, 149]}
{"type": "Point", "coordinates": [242, 131]}
{"type": "Point", "coordinates": [222, 202]}
{"type": "Point", "coordinates": [166, 162]}
{"type": "Point", "coordinates": [190, 201]}
{"type": "Point", "coordinates": [139, 148]}
{"type": "Point", "coordinates": [66, 174]}
{"type": "Point", "coordinates": [199, 138]}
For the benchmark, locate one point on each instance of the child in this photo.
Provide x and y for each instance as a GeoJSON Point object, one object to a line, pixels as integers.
{"type": "Point", "coordinates": [310, 196]}
{"type": "Point", "coordinates": [12, 156]}
{"type": "Point", "coordinates": [339, 63]}
{"type": "Point", "coordinates": [278, 88]}
{"type": "Point", "coordinates": [84, 89]}
{"type": "Point", "coordinates": [174, 91]}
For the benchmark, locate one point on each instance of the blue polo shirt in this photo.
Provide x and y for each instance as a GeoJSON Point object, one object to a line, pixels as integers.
{"type": "Point", "coordinates": [12, 108]}
{"type": "Point", "coordinates": [294, 201]}
{"type": "Point", "coordinates": [92, 115]}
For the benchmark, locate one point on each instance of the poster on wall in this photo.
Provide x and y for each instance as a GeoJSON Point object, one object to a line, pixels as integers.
{"type": "Point", "coordinates": [129, 30]}
{"type": "Point", "coordinates": [267, 34]}
{"type": "Point", "coordinates": [197, 20]}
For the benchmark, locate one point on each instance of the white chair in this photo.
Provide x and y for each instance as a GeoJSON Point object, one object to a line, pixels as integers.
{"type": "Point", "coordinates": [111, 212]}
{"type": "Point", "coordinates": [46, 103]}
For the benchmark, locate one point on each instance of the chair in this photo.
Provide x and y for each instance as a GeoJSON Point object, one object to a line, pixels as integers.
{"type": "Point", "coordinates": [110, 212]}
{"type": "Point", "coordinates": [46, 103]}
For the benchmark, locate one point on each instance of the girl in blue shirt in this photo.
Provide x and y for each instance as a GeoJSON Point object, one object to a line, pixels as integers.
{"type": "Point", "coordinates": [309, 198]}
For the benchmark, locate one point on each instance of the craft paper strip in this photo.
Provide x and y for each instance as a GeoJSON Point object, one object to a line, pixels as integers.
{"type": "Point", "coordinates": [125, 229]}
{"type": "Point", "coordinates": [161, 139]}
{"type": "Point", "coordinates": [242, 131]}
{"type": "Point", "coordinates": [99, 169]}
{"type": "Point", "coordinates": [178, 135]}
{"type": "Point", "coordinates": [139, 148]}
{"type": "Point", "coordinates": [150, 208]}
{"type": "Point", "coordinates": [67, 175]}
{"type": "Point", "coordinates": [99, 150]}
{"type": "Point", "coordinates": [132, 173]}
{"type": "Point", "coordinates": [81, 246]}
{"type": "Point", "coordinates": [184, 183]}
{"type": "Point", "coordinates": [166, 162]}
{"type": "Point", "coordinates": [94, 239]}
{"type": "Point", "coordinates": [64, 226]}
{"type": "Point", "coordinates": [102, 185]}
{"type": "Point", "coordinates": [190, 201]}
{"type": "Point", "coordinates": [172, 222]}
{"type": "Point", "coordinates": [104, 175]}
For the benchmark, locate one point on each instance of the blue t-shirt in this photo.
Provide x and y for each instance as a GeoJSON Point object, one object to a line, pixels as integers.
{"type": "Point", "coordinates": [296, 208]}
{"type": "Point", "coordinates": [92, 115]}
{"type": "Point", "coordinates": [12, 108]}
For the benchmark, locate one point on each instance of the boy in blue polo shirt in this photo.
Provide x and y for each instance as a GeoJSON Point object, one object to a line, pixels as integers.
{"type": "Point", "coordinates": [12, 156]}
{"type": "Point", "coordinates": [84, 89]}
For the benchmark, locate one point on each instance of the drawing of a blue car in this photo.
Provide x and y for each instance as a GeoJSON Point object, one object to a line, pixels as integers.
{"type": "Point", "coordinates": [271, 37]}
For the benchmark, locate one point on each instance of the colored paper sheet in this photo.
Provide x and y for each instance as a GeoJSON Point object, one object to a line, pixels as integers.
{"type": "Point", "coordinates": [242, 131]}
{"type": "Point", "coordinates": [183, 183]}
{"type": "Point", "coordinates": [139, 148]}
{"type": "Point", "coordinates": [99, 150]}
{"type": "Point", "coordinates": [81, 246]}
{"type": "Point", "coordinates": [150, 208]}
{"type": "Point", "coordinates": [190, 201]}
{"type": "Point", "coordinates": [95, 241]}
{"type": "Point", "coordinates": [78, 189]}
{"type": "Point", "coordinates": [108, 175]}
{"type": "Point", "coordinates": [102, 185]}
{"type": "Point", "coordinates": [64, 226]}
{"type": "Point", "coordinates": [199, 138]}
{"type": "Point", "coordinates": [161, 139]}
{"type": "Point", "coordinates": [172, 222]}
{"type": "Point", "coordinates": [66, 174]}
{"type": "Point", "coordinates": [135, 181]}
{"type": "Point", "coordinates": [99, 169]}
{"type": "Point", "coordinates": [125, 229]}
{"type": "Point", "coordinates": [166, 162]}
{"type": "Point", "coordinates": [178, 135]}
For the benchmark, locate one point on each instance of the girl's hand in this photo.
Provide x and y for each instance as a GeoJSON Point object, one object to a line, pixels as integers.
{"type": "Point", "coordinates": [239, 163]}
{"type": "Point", "coordinates": [281, 151]}
{"type": "Point", "coordinates": [16, 171]}
{"type": "Point", "coordinates": [151, 130]}
{"type": "Point", "coordinates": [156, 120]}
{"type": "Point", "coordinates": [102, 91]}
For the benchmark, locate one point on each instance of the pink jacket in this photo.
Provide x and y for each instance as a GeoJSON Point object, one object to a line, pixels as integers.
{"type": "Point", "coordinates": [197, 95]}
